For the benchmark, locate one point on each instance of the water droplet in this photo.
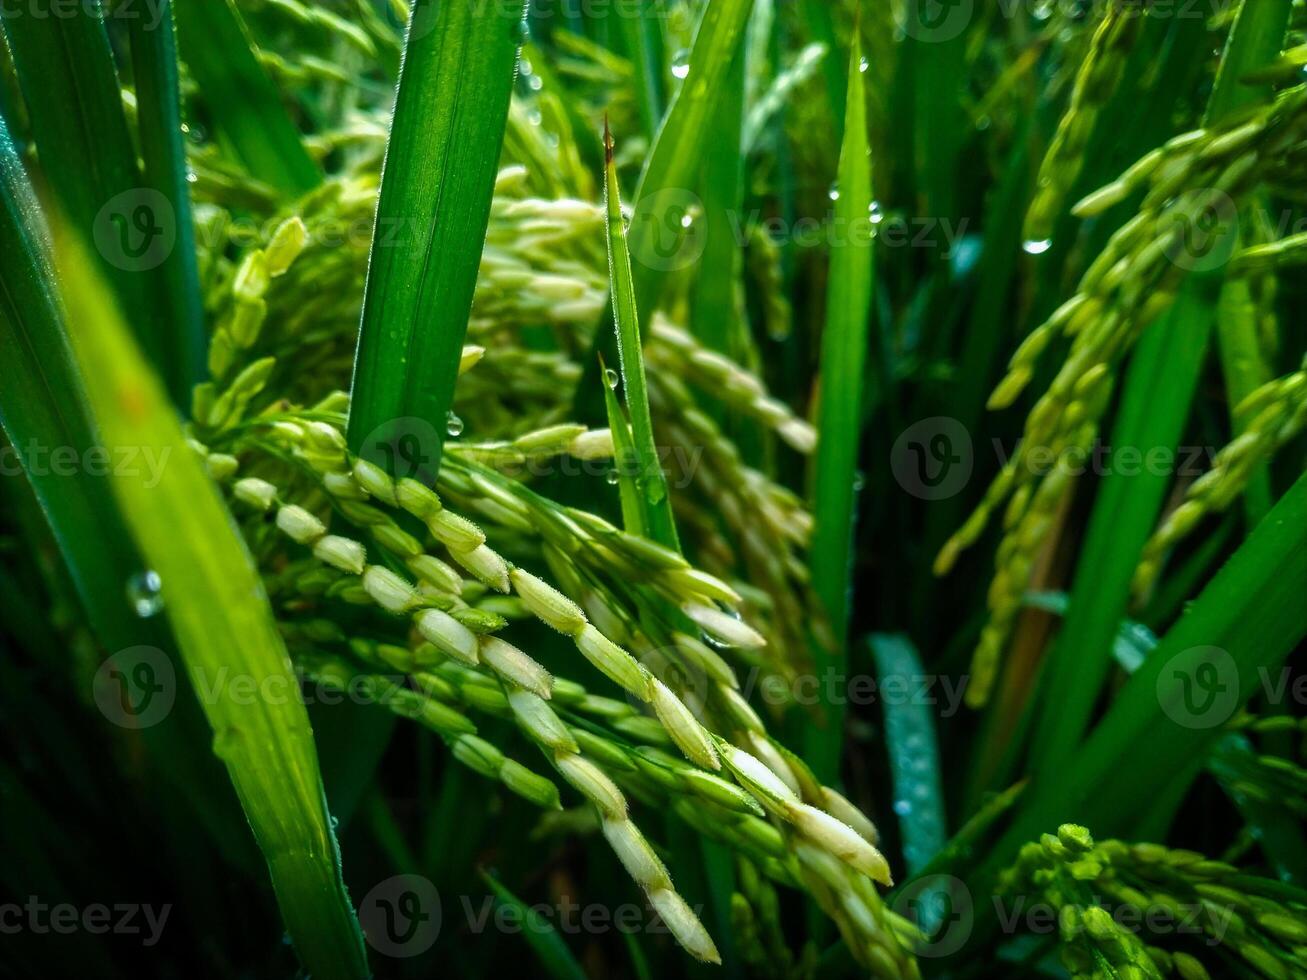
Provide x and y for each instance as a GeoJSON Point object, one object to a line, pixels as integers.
{"type": "Point", "coordinates": [859, 481]}
{"type": "Point", "coordinates": [681, 64]}
{"type": "Point", "coordinates": [613, 478]}
{"type": "Point", "coordinates": [535, 83]}
{"type": "Point", "coordinates": [535, 117]}
{"type": "Point", "coordinates": [145, 593]}
{"type": "Point", "coordinates": [903, 808]}
{"type": "Point", "coordinates": [523, 31]}
{"type": "Point", "coordinates": [611, 378]}
{"type": "Point", "coordinates": [687, 220]}
{"type": "Point", "coordinates": [876, 212]}
{"type": "Point", "coordinates": [453, 425]}
{"type": "Point", "coordinates": [1043, 10]}
{"type": "Point", "coordinates": [864, 64]}
{"type": "Point", "coordinates": [834, 192]}
{"type": "Point", "coordinates": [191, 177]}
{"type": "Point", "coordinates": [1037, 246]}
{"type": "Point", "coordinates": [713, 641]}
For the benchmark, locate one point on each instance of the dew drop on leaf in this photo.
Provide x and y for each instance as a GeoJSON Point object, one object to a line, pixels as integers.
{"type": "Point", "coordinates": [453, 425]}
{"type": "Point", "coordinates": [145, 593]}
{"type": "Point", "coordinates": [610, 377]}
{"type": "Point", "coordinates": [681, 64]}
{"type": "Point", "coordinates": [1037, 246]}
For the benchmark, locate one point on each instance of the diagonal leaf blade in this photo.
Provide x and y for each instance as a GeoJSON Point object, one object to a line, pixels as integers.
{"type": "Point", "coordinates": [66, 72]}
{"type": "Point", "coordinates": [224, 625]}
{"type": "Point", "coordinates": [839, 411]}
{"type": "Point", "coordinates": [451, 108]}
{"type": "Point", "coordinates": [650, 481]}
{"type": "Point", "coordinates": [246, 106]}
{"type": "Point", "coordinates": [164, 169]}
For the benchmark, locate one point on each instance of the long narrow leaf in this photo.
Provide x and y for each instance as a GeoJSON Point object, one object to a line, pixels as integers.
{"type": "Point", "coordinates": [1159, 389]}
{"type": "Point", "coordinates": [43, 405]}
{"type": "Point", "coordinates": [650, 481]}
{"type": "Point", "coordinates": [224, 626]}
{"type": "Point", "coordinates": [913, 754]}
{"type": "Point", "coordinates": [43, 411]}
{"type": "Point", "coordinates": [839, 413]}
{"type": "Point", "coordinates": [450, 112]}
{"type": "Point", "coordinates": [70, 86]}
{"type": "Point", "coordinates": [245, 104]}
{"type": "Point", "coordinates": [1247, 620]}
{"type": "Point", "coordinates": [715, 317]}
{"type": "Point", "coordinates": [662, 219]}
{"type": "Point", "coordinates": [163, 155]}
{"type": "Point", "coordinates": [554, 958]}
{"type": "Point", "coordinates": [1256, 38]}
{"type": "Point", "coordinates": [679, 149]}
{"type": "Point", "coordinates": [624, 460]}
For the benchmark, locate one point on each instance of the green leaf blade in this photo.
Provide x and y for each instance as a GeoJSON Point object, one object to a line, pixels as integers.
{"type": "Point", "coordinates": [163, 154]}
{"type": "Point", "coordinates": [441, 160]}
{"type": "Point", "coordinates": [224, 626]}
{"type": "Point", "coordinates": [651, 482]}
{"type": "Point", "coordinates": [246, 105]}
{"type": "Point", "coordinates": [839, 413]}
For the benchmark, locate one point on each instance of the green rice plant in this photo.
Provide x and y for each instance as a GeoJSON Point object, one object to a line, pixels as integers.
{"type": "Point", "coordinates": [515, 456]}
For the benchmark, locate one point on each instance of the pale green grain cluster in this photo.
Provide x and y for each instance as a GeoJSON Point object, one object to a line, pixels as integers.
{"type": "Point", "coordinates": [1122, 906]}
{"type": "Point", "coordinates": [1271, 416]}
{"type": "Point", "coordinates": [681, 354]}
{"type": "Point", "coordinates": [1099, 74]}
{"type": "Point", "coordinates": [732, 782]}
{"type": "Point", "coordinates": [543, 265]}
{"type": "Point", "coordinates": [1192, 190]}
